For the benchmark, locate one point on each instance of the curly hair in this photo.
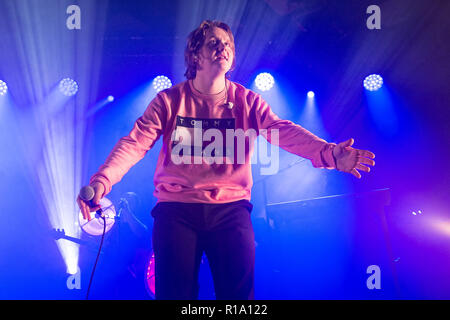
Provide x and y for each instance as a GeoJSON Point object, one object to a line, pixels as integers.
{"type": "Point", "coordinates": [195, 42]}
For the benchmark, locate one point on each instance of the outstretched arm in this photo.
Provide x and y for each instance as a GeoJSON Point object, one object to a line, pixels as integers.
{"type": "Point", "coordinates": [292, 137]}
{"type": "Point", "coordinates": [351, 160]}
{"type": "Point", "coordinates": [129, 150]}
{"type": "Point", "coordinates": [132, 148]}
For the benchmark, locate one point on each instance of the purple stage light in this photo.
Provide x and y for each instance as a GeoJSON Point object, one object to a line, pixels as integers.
{"type": "Point", "coordinates": [68, 87]}
{"type": "Point", "coordinates": [373, 82]}
{"type": "Point", "coordinates": [161, 82]}
{"type": "Point", "coordinates": [3, 88]}
{"type": "Point", "coordinates": [264, 81]}
{"type": "Point", "coordinates": [95, 226]}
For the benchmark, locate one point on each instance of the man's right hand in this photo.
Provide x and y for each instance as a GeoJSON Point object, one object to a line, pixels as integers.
{"type": "Point", "coordinates": [85, 206]}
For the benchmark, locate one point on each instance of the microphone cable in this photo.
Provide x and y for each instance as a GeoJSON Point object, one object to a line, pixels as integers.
{"type": "Point", "coordinates": [98, 255]}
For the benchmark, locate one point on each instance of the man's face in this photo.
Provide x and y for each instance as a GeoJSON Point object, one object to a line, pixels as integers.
{"type": "Point", "coordinates": [216, 53]}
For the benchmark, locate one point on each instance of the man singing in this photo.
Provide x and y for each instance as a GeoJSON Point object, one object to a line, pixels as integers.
{"type": "Point", "coordinates": [204, 200]}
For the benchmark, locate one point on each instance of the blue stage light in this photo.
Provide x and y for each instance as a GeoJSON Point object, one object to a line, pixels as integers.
{"type": "Point", "coordinates": [373, 82]}
{"type": "Point", "coordinates": [3, 88]}
{"type": "Point", "coordinates": [264, 81]}
{"type": "Point", "coordinates": [68, 87]}
{"type": "Point", "coordinates": [161, 82]}
{"type": "Point", "coordinates": [310, 94]}
{"type": "Point", "coordinates": [110, 98]}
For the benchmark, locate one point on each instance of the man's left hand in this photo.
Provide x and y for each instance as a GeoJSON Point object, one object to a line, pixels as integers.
{"type": "Point", "coordinates": [351, 160]}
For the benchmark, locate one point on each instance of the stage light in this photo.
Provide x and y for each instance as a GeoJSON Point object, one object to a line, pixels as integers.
{"type": "Point", "coordinates": [53, 128]}
{"type": "Point", "coordinates": [161, 82]}
{"type": "Point", "coordinates": [95, 226]}
{"type": "Point", "coordinates": [68, 87]}
{"type": "Point", "coordinates": [150, 276]}
{"type": "Point", "coordinates": [373, 82]}
{"type": "Point", "coordinates": [264, 81]}
{"type": "Point", "coordinates": [310, 94]}
{"type": "Point", "coordinates": [110, 99]}
{"type": "Point", "coordinates": [444, 227]}
{"type": "Point", "coordinates": [3, 88]}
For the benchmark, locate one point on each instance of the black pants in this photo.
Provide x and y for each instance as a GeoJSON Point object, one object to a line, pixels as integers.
{"type": "Point", "coordinates": [183, 231]}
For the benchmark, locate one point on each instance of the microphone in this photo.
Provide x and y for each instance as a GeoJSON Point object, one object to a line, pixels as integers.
{"type": "Point", "coordinates": [87, 193]}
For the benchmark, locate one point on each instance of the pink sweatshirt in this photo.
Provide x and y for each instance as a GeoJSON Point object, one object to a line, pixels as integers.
{"type": "Point", "coordinates": [182, 106]}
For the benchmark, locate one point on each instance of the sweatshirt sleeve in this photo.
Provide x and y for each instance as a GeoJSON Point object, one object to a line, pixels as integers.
{"type": "Point", "coordinates": [133, 147]}
{"type": "Point", "coordinates": [292, 137]}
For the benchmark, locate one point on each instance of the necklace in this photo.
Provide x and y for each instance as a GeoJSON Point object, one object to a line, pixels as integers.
{"type": "Point", "coordinates": [213, 94]}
